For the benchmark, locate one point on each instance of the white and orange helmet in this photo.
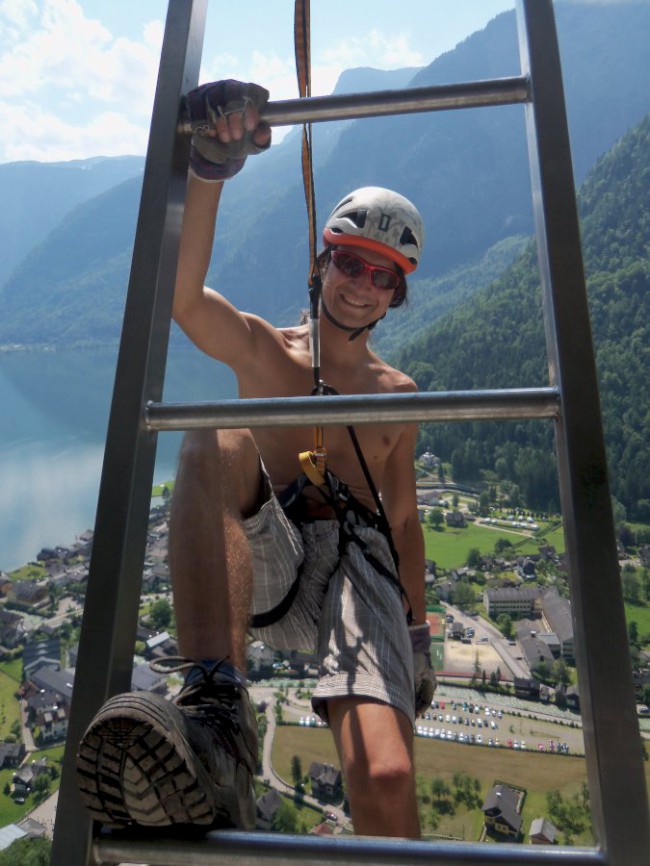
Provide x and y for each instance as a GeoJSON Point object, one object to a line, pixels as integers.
{"type": "Point", "coordinates": [380, 220]}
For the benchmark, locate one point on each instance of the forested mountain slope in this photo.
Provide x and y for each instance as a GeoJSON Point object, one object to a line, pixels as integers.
{"type": "Point", "coordinates": [466, 170]}
{"type": "Point", "coordinates": [496, 340]}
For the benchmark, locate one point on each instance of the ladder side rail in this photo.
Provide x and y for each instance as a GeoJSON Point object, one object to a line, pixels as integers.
{"type": "Point", "coordinates": [351, 106]}
{"type": "Point", "coordinates": [506, 404]}
{"type": "Point", "coordinates": [612, 739]}
{"type": "Point", "coordinates": [250, 849]}
{"type": "Point", "coordinates": [115, 575]}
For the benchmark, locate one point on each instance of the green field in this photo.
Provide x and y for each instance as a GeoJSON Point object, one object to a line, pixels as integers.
{"type": "Point", "coordinates": [640, 614]}
{"type": "Point", "coordinates": [9, 707]}
{"type": "Point", "coordinates": [449, 547]}
{"type": "Point", "coordinates": [10, 812]}
{"type": "Point", "coordinates": [537, 772]}
{"type": "Point", "coordinates": [28, 572]}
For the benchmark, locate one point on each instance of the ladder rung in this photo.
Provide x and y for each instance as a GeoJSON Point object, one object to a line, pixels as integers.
{"type": "Point", "coordinates": [248, 849]}
{"type": "Point", "coordinates": [345, 409]}
{"type": "Point", "coordinates": [348, 106]}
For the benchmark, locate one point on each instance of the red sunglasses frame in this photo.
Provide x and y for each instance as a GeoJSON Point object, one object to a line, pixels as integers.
{"type": "Point", "coordinates": [371, 270]}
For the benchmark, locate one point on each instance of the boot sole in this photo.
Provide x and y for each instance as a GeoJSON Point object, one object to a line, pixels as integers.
{"type": "Point", "coordinates": [135, 767]}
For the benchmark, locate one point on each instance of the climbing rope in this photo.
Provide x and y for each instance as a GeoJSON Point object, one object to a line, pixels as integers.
{"type": "Point", "coordinates": [312, 462]}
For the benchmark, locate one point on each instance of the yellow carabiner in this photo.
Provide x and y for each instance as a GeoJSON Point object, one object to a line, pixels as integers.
{"type": "Point", "coordinates": [310, 463]}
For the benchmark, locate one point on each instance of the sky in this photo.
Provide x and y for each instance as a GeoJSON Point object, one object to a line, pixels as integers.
{"type": "Point", "coordinates": [78, 76]}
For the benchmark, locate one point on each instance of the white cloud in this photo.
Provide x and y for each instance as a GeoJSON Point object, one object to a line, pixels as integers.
{"type": "Point", "coordinates": [74, 82]}
{"type": "Point", "coordinates": [372, 49]}
{"type": "Point", "coordinates": [375, 49]}
{"type": "Point", "coordinates": [108, 133]}
{"type": "Point", "coordinates": [278, 73]}
{"type": "Point", "coordinates": [15, 16]}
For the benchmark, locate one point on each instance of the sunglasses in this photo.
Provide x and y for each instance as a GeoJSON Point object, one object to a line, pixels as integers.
{"type": "Point", "coordinates": [353, 266]}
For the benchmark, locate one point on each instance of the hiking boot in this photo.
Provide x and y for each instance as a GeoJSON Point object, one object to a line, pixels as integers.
{"type": "Point", "coordinates": [153, 762]}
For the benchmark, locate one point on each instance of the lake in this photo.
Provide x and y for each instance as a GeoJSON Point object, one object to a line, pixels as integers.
{"type": "Point", "coordinates": [53, 419]}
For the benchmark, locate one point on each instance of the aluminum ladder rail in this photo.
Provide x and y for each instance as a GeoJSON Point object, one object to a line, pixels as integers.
{"type": "Point", "coordinates": [615, 769]}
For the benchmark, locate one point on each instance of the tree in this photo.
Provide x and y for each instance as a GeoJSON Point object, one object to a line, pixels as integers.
{"type": "Point", "coordinates": [631, 586]}
{"type": "Point", "coordinates": [463, 595]}
{"type": "Point", "coordinates": [646, 696]}
{"type": "Point", "coordinates": [476, 672]}
{"type": "Point", "coordinates": [484, 503]}
{"type": "Point", "coordinates": [502, 544]}
{"type": "Point", "coordinates": [296, 769]}
{"type": "Point", "coordinates": [473, 557]}
{"type": "Point", "coordinates": [645, 583]}
{"type": "Point", "coordinates": [160, 614]}
{"type": "Point", "coordinates": [41, 787]}
{"type": "Point", "coordinates": [560, 672]}
{"type": "Point", "coordinates": [504, 624]}
{"type": "Point", "coordinates": [440, 790]}
{"type": "Point", "coordinates": [285, 819]}
{"type": "Point", "coordinates": [27, 852]}
{"type": "Point", "coordinates": [435, 518]}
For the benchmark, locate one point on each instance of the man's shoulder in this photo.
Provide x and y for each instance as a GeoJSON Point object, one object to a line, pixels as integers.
{"type": "Point", "coordinates": [295, 333]}
{"type": "Point", "coordinates": [284, 337]}
{"type": "Point", "coordinates": [394, 379]}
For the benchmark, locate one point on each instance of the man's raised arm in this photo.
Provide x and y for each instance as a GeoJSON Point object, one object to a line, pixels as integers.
{"type": "Point", "coordinates": [226, 119]}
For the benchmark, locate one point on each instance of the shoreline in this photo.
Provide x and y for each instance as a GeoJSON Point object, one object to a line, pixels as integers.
{"type": "Point", "coordinates": [157, 499]}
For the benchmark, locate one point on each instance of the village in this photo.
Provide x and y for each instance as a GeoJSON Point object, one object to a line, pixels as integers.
{"type": "Point", "coordinates": [526, 629]}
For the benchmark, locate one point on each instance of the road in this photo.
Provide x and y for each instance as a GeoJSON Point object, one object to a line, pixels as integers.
{"type": "Point", "coordinates": [295, 709]}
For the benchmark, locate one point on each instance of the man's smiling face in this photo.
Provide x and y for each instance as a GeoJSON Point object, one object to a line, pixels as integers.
{"type": "Point", "coordinates": [354, 300]}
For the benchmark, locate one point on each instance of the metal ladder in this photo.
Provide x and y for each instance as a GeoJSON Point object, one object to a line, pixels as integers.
{"type": "Point", "coordinates": [614, 762]}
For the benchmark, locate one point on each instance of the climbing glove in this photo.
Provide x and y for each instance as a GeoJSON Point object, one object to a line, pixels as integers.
{"type": "Point", "coordinates": [425, 678]}
{"type": "Point", "coordinates": [210, 158]}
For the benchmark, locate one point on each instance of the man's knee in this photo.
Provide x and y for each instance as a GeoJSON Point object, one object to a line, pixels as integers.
{"type": "Point", "coordinates": [380, 770]}
{"type": "Point", "coordinates": [225, 461]}
{"type": "Point", "coordinates": [374, 743]}
{"type": "Point", "coordinates": [210, 447]}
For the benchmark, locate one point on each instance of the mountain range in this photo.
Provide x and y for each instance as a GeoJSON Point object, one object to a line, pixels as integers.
{"type": "Point", "coordinates": [69, 229]}
{"type": "Point", "coordinates": [473, 318]}
{"type": "Point", "coordinates": [495, 339]}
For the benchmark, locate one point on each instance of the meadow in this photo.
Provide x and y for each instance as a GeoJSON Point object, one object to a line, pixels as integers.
{"type": "Point", "coordinates": [537, 772]}
{"type": "Point", "coordinates": [448, 547]}
{"type": "Point", "coordinates": [9, 706]}
{"type": "Point", "coordinates": [640, 614]}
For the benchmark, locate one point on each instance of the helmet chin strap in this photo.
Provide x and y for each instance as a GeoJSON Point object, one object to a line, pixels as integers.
{"type": "Point", "coordinates": [354, 332]}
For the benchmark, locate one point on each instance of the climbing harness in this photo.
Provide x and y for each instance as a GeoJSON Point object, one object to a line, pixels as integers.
{"type": "Point", "coordinates": [347, 509]}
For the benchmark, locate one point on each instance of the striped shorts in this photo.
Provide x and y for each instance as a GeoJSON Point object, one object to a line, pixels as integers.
{"type": "Point", "coordinates": [346, 612]}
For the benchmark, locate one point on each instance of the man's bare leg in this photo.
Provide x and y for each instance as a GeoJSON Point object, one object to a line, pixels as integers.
{"type": "Point", "coordinates": [375, 746]}
{"type": "Point", "coordinates": [218, 482]}
{"type": "Point", "coordinates": [146, 760]}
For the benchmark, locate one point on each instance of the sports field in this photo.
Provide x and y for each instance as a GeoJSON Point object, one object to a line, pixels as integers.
{"type": "Point", "coordinates": [436, 620]}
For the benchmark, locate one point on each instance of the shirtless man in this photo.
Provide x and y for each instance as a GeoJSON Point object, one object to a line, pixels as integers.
{"type": "Point", "coordinates": [316, 573]}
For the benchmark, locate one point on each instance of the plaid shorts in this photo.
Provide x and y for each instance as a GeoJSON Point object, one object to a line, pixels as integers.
{"type": "Point", "coordinates": [344, 610]}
